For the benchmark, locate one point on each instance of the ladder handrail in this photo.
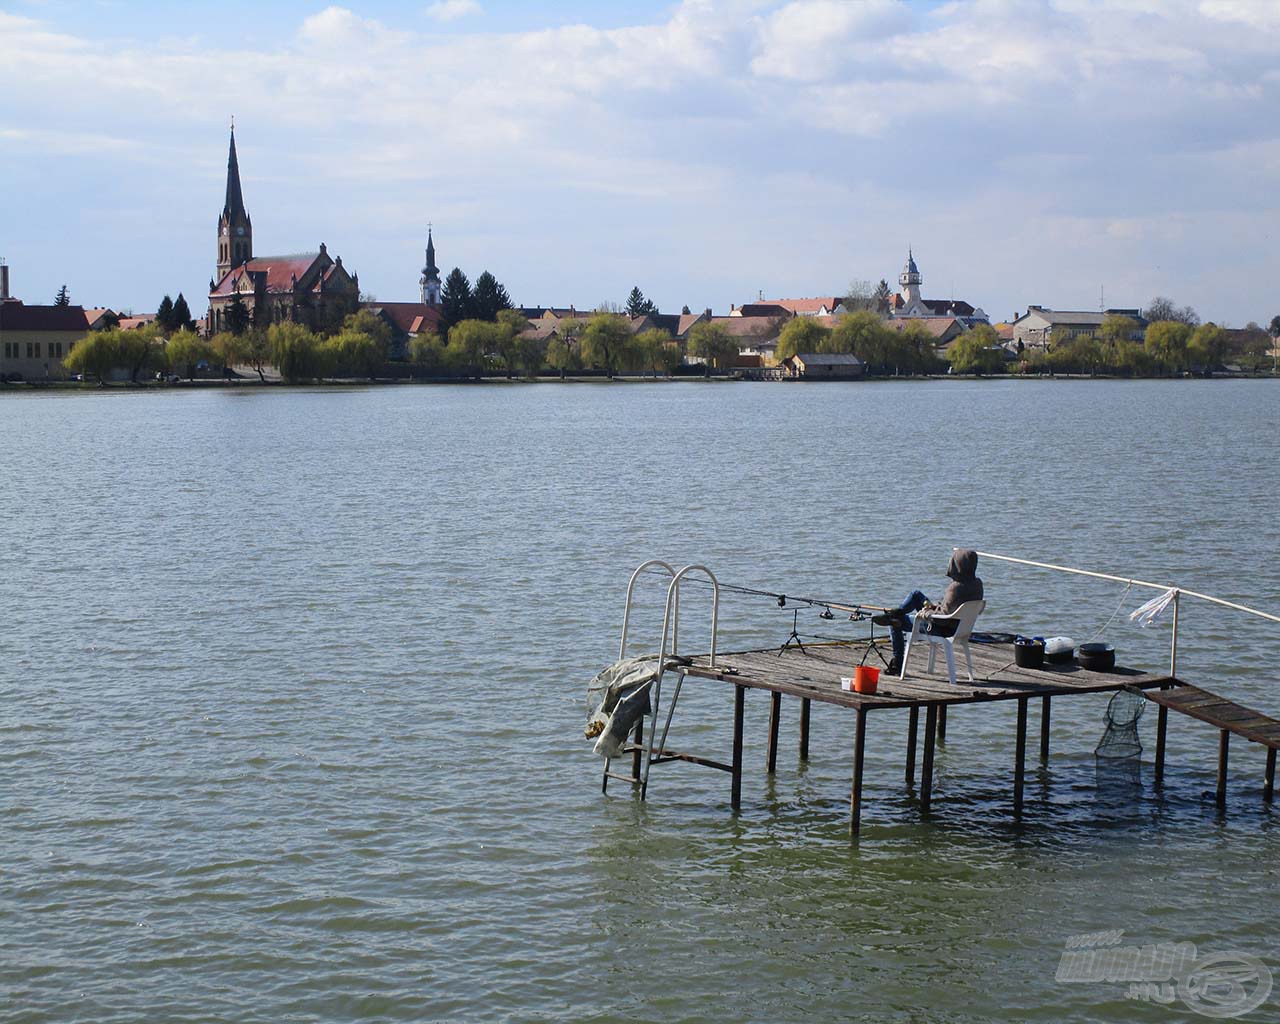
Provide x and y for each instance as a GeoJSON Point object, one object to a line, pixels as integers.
{"type": "Point", "coordinates": [631, 586]}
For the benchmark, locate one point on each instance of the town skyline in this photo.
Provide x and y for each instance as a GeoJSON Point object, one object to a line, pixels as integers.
{"type": "Point", "coordinates": [566, 210]}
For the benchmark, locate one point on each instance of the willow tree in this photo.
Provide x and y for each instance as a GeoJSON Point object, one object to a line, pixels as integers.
{"type": "Point", "coordinates": [604, 342]}
{"type": "Point", "coordinates": [714, 345]}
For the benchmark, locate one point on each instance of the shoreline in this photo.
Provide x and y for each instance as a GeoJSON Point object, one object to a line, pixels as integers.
{"type": "Point", "coordinates": [28, 387]}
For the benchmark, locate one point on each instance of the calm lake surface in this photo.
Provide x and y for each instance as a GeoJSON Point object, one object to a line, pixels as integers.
{"type": "Point", "coordinates": [291, 700]}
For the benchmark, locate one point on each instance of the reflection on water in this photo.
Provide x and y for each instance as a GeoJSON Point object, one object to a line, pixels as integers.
{"type": "Point", "coordinates": [291, 698]}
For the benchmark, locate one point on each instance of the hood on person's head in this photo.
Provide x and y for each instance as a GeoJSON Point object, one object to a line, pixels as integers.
{"type": "Point", "coordinates": [964, 564]}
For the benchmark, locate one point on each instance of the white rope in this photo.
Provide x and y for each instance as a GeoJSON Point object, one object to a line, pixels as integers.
{"type": "Point", "coordinates": [1119, 607]}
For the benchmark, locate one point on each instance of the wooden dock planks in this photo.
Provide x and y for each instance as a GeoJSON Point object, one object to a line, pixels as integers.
{"type": "Point", "coordinates": [815, 673]}
{"type": "Point", "coordinates": [1220, 712]}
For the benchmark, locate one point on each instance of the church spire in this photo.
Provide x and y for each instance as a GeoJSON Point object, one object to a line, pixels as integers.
{"type": "Point", "coordinates": [429, 283]}
{"type": "Point", "coordinates": [235, 200]}
{"type": "Point", "coordinates": [235, 231]}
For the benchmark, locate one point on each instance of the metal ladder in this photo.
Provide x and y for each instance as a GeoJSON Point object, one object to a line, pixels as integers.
{"type": "Point", "coordinates": [643, 757]}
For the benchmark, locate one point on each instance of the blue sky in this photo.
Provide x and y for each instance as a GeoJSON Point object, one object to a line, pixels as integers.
{"type": "Point", "coordinates": [1031, 151]}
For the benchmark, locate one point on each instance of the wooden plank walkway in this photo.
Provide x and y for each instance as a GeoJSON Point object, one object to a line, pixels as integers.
{"type": "Point", "coordinates": [1227, 717]}
{"type": "Point", "coordinates": [813, 672]}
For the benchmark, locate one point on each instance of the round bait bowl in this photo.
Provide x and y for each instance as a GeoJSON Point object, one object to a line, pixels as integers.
{"type": "Point", "coordinates": [1097, 657]}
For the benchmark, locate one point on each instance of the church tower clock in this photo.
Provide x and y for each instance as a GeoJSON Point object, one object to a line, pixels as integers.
{"type": "Point", "coordinates": [235, 231]}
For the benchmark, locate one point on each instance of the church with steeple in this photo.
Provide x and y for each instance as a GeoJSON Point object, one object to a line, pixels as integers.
{"type": "Point", "coordinates": [311, 288]}
{"type": "Point", "coordinates": [908, 303]}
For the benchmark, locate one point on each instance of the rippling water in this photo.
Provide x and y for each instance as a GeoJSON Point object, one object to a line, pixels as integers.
{"type": "Point", "coordinates": [291, 684]}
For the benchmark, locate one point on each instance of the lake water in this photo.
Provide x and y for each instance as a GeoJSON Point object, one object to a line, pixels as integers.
{"type": "Point", "coordinates": [291, 691]}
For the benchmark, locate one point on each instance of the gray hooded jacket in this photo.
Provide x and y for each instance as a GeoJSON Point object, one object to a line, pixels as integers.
{"type": "Point", "coordinates": [965, 584]}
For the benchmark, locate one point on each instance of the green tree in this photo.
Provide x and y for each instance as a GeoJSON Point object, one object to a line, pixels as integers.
{"type": "Point", "coordinates": [295, 351]}
{"type": "Point", "coordinates": [182, 318]}
{"type": "Point", "coordinates": [470, 342]}
{"type": "Point", "coordinates": [456, 301]}
{"type": "Point", "coordinates": [862, 333]}
{"type": "Point", "coordinates": [638, 305]}
{"type": "Point", "coordinates": [714, 345]}
{"type": "Point", "coordinates": [62, 298]}
{"type": "Point", "coordinates": [140, 349]}
{"type": "Point", "coordinates": [1167, 341]}
{"type": "Point", "coordinates": [230, 350]}
{"type": "Point", "coordinates": [237, 315]}
{"type": "Point", "coordinates": [604, 342]}
{"type": "Point", "coordinates": [185, 349]}
{"type": "Point", "coordinates": [429, 351]}
{"type": "Point", "coordinates": [652, 347]}
{"type": "Point", "coordinates": [96, 354]}
{"type": "Point", "coordinates": [1208, 346]}
{"type": "Point", "coordinates": [367, 322]}
{"type": "Point", "coordinates": [560, 355]}
{"type": "Point", "coordinates": [1115, 329]}
{"type": "Point", "coordinates": [976, 351]}
{"type": "Point", "coordinates": [488, 298]}
{"type": "Point", "coordinates": [882, 297]}
{"type": "Point", "coordinates": [164, 316]}
{"type": "Point", "coordinates": [801, 334]}
{"type": "Point", "coordinates": [352, 353]}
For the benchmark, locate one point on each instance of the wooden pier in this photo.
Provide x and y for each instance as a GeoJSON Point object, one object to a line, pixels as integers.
{"type": "Point", "coordinates": [813, 672]}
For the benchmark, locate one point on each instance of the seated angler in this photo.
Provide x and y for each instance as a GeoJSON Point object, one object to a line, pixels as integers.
{"type": "Point", "coordinates": [964, 586]}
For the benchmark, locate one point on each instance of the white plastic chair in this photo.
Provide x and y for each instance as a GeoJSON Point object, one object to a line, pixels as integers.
{"type": "Point", "coordinates": [964, 617]}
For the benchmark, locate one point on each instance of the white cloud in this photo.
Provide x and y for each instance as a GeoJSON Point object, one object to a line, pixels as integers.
{"type": "Point", "coordinates": [452, 10]}
{"type": "Point", "coordinates": [996, 126]}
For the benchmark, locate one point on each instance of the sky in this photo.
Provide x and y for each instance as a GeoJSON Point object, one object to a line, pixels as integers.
{"type": "Point", "coordinates": [1065, 153]}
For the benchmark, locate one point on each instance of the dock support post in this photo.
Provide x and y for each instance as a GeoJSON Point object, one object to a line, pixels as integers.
{"type": "Point", "coordinates": [804, 728]}
{"type": "Point", "coordinates": [775, 719]}
{"type": "Point", "coordinates": [638, 753]}
{"type": "Point", "coordinates": [926, 769]}
{"type": "Point", "coordinates": [1224, 744]}
{"type": "Point", "coordinates": [913, 725]}
{"type": "Point", "coordinates": [1044, 730]}
{"type": "Point", "coordinates": [1019, 757]}
{"type": "Point", "coordinates": [942, 723]}
{"type": "Point", "coordinates": [739, 701]}
{"type": "Point", "coordinates": [1162, 727]}
{"type": "Point", "coordinates": [1269, 780]}
{"type": "Point", "coordinates": [855, 799]}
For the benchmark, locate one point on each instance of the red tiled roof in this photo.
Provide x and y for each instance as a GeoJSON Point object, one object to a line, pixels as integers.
{"type": "Point", "coordinates": [935, 325]}
{"type": "Point", "coordinates": [280, 271]}
{"type": "Point", "coordinates": [15, 316]}
{"type": "Point", "coordinates": [408, 317]}
{"type": "Point", "coordinates": [747, 326]}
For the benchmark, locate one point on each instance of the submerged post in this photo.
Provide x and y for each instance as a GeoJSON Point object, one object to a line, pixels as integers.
{"type": "Point", "coordinates": [1019, 757]}
{"type": "Point", "coordinates": [1044, 730]}
{"type": "Point", "coordinates": [775, 717]}
{"type": "Point", "coordinates": [1162, 727]}
{"type": "Point", "coordinates": [804, 728]}
{"type": "Point", "coordinates": [1224, 745]}
{"type": "Point", "coordinates": [942, 723]}
{"type": "Point", "coordinates": [913, 724]}
{"type": "Point", "coordinates": [1269, 780]}
{"type": "Point", "coordinates": [855, 798]}
{"type": "Point", "coordinates": [735, 790]}
{"type": "Point", "coordinates": [926, 769]}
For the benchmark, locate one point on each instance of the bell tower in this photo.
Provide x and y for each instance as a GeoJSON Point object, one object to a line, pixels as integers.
{"type": "Point", "coordinates": [235, 230]}
{"type": "Point", "coordinates": [429, 282]}
{"type": "Point", "coordinates": [910, 281]}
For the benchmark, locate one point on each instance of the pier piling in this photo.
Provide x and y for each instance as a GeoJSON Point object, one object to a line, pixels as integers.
{"type": "Point", "coordinates": [1020, 756]}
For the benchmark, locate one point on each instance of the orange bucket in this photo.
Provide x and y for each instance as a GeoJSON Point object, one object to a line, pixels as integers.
{"type": "Point", "coordinates": [866, 678]}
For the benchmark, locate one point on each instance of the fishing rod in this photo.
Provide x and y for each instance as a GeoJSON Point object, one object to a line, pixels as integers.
{"type": "Point", "coordinates": [858, 610]}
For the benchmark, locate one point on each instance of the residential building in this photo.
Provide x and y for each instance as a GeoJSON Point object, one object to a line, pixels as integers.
{"type": "Point", "coordinates": [1036, 327]}
{"type": "Point", "coordinates": [35, 339]}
